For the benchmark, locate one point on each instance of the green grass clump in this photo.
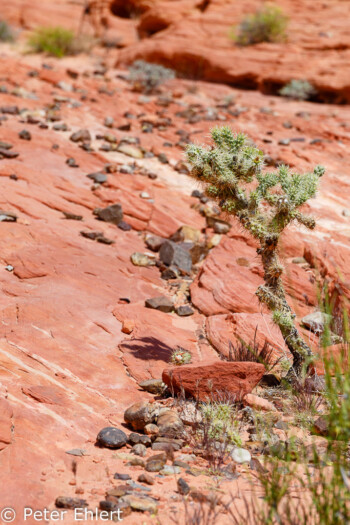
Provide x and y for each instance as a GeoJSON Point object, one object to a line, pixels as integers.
{"type": "Point", "coordinates": [298, 90]}
{"type": "Point", "coordinates": [6, 33]}
{"type": "Point", "coordinates": [268, 24]}
{"type": "Point", "coordinates": [55, 41]}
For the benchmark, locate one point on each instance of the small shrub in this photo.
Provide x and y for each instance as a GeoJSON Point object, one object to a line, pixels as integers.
{"type": "Point", "coordinates": [6, 33]}
{"type": "Point", "coordinates": [58, 42]}
{"type": "Point", "coordinates": [148, 77]}
{"type": "Point", "coordinates": [266, 25]}
{"type": "Point", "coordinates": [223, 423]}
{"type": "Point", "coordinates": [298, 90]}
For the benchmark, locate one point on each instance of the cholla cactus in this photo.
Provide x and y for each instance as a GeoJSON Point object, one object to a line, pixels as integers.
{"type": "Point", "coordinates": [264, 204]}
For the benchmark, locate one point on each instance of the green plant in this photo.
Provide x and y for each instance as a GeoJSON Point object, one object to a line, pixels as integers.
{"type": "Point", "coordinates": [148, 77]}
{"type": "Point", "coordinates": [268, 24]}
{"type": "Point", "coordinates": [222, 421]}
{"type": "Point", "coordinates": [180, 356]}
{"type": "Point", "coordinates": [6, 33]}
{"type": "Point", "coordinates": [264, 204]}
{"type": "Point", "coordinates": [58, 42]}
{"type": "Point", "coordinates": [254, 352]}
{"type": "Point", "coordinates": [298, 90]}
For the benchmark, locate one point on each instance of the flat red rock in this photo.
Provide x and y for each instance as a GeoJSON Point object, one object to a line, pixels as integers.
{"type": "Point", "coordinates": [214, 380]}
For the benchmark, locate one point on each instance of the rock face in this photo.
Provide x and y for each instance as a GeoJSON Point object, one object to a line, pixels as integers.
{"type": "Point", "coordinates": [76, 337]}
{"type": "Point", "coordinates": [214, 379]}
{"type": "Point", "coordinates": [213, 56]}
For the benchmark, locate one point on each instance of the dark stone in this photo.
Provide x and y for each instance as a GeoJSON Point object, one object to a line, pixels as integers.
{"type": "Point", "coordinates": [153, 386]}
{"type": "Point", "coordinates": [320, 427]}
{"type": "Point", "coordinates": [112, 437]}
{"type": "Point", "coordinates": [139, 450]}
{"type": "Point", "coordinates": [145, 478]}
{"type": "Point", "coordinates": [5, 153]}
{"type": "Point", "coordinates": [108, 505]}
{"type": "Point", "coordinates": [72, 216]}
{"type": "Point", "coordinates": [163, 304]}
{"type": "Point", "coordinates": [270, 380]}
{"type": "Point", "coordinates": [154, 465]}
{"type": "Point", "coordinates": [72, 163]}
{"type": "Point", "coordinates": [91, 235]}
{"type": "Point", "coordinates": [163, 443]}
{"type": "Point", "coordinates": [124, 226]}
{"type": "Point", "coordinates": [135, 439]}
{"type": "Point", "coordinates": [163, 158]}
{"type": "Point", "coordinates": [113, 213]}
{"type": "Point", "coordinates": [83, 135]}
{"type": "Point", "coordinates": [98, 177]}
{"type": "Point", "coordinates": [63, 502]}
{"type": "Point", "coordinates": [154, 242]}
{"type": "Point", "coordinates": [104, 240]}
{"type": "Point", "coordinates": [183, 487]}
{"type": "Point", "coordinates": [9, 110]}
{"type": "Point", "coordinates": [125, 127]}
{"type": "Point", "coordinates": [25, 135]}
{"type": "Point", "coordinates": [184, 311]}
{"type": "Point", "coordinates": [170, 273]}
{"type": "Point", "coordinates": [123, 477]}
{"type": "Point", "coordinates": [196, 193]}
{"type": "Point", "coordinates": [172, 254]}
{"type": "Point", "coordinates": [60, 127]}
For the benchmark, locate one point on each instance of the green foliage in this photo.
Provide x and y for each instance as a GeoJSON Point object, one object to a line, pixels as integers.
{"type": "Point", "coordinates": [298, 90]}
{"type": "Point", "coordinates": [6, 33]}
{"type": "Point", "coordinates": [148, 77]}
{"type": "Point", "coordinates": [180, 356]}
{"type": "Point", "coordinates": [268, 24]}
{"type": "Point", "coordinates": [58, 42]}
{"type": "Point", "coordinates": [221, 418]}
{"type": "Point", "coordinates": [265, 204]}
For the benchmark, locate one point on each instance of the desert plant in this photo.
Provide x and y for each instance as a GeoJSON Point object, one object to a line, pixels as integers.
{"type": "Point", "coordinates": [180, 356]}
{"type": "Point", "coordinates": [6, 33]}
{"type": "Point", "coordinates": [265, 204]}
{"type": "Point", "coordinates": [268, 24]}
{"type": "Point", "coordinates": [58, 42]}
{"type": "Point", "coordinates": [222, 421]}
{"type": "Point", "coordinates": [254, 352]}
{"type": "Point", "coordinates": [147, 77]}
{"type": "Point", "coordinates": [215, 433]}
{"type": "Point", "coordinates": [298, 90]}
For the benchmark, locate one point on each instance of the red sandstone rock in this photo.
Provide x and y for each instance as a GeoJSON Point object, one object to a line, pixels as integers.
{"type": "Point", "coordinates": [215, 379]}
{"type": "Point", "coordinates": [128, 326]}
{"type": "Point", "coordinates": [258, 403]}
